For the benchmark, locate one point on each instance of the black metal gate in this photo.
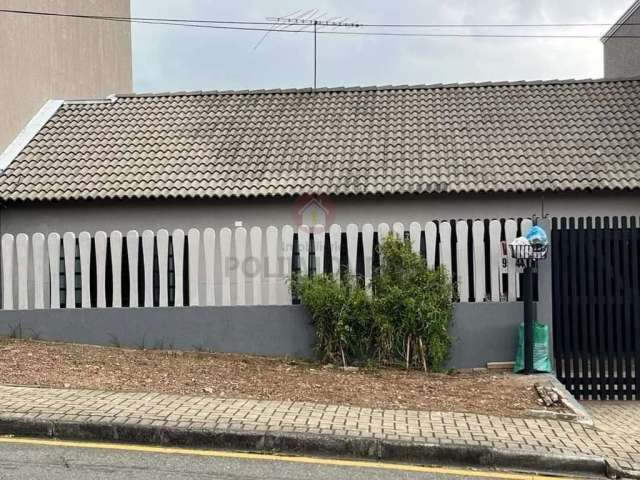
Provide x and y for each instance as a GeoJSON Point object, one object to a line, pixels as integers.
{"type": "Point", "coordinates": [596, 306]}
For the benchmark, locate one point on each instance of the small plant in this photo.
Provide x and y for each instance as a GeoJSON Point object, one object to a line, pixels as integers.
{"type": "Point", "coordinates": [405, 317]}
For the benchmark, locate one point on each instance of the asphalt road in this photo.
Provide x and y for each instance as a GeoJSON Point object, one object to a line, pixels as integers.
{"type": "Point", "coordinates": [35, 460]}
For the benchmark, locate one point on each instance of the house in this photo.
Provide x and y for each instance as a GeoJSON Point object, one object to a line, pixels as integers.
{"type": "Point", "coordinates": [46, 57]}
{"type": "Point", "coordinates": [622, 44]}
{"type": "Point", "coordinates": [379, 154]}
{"type": "Point", "coordinates": [141, 201]}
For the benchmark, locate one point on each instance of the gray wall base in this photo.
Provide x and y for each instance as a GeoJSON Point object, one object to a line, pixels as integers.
{"type": "Point", "coordinates": [276, 330]}
{"type": "Point", "coordinates": [482, 332]}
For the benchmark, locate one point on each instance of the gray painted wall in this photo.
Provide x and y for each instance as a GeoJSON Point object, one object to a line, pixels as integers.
{"type": "Point", "coordinates": [126, 215]}
{"type": "Point", "coordinates": [264, 330]}
{"type": "Point", "coordinates": [622, 55]}
{"type": "Point", "coordinates": [481, 332]}
{"type": "Point", "coordinates": [484, 332]}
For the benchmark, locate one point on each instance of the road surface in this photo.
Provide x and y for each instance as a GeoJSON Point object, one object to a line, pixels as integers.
{"type": "Point", "coordinates": [35, 459]}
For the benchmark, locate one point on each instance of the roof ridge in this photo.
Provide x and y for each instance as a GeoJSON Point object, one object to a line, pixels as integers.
{"type": "Point", "coordinates": [511, 83]}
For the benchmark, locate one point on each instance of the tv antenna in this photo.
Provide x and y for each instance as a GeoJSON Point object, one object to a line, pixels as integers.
{"type": "Point", "coordinates": [308, 19]}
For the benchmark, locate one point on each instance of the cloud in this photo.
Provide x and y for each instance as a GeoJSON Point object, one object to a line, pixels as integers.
{"type": "Point", "coordinates": [176, 58]}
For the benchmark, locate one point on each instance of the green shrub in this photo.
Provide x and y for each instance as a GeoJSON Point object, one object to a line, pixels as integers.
{"type": "Point", "coordinates": [413, 307]}
{"type": "Point", "coordinates": [342, 313]}
{"type": "Point", "coordinates": [404, 319]}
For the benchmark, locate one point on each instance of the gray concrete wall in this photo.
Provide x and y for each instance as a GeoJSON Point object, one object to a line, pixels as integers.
{"type": "Point", "coordinates": [126, 215]}
{"type": "Point", "coordinates": [481, 332]}
{"type": "Point", "coordinates": [622, 55]}
{"type": "Point", "coordinates": [53, 57]}
{"type": "Point", "coordinates": [484, 332]}
{"type": "Point", "coordinates": [263, 330]}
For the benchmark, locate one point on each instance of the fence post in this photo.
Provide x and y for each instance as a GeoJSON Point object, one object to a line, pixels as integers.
{"type": "Point", "coordinates": [544, 313]}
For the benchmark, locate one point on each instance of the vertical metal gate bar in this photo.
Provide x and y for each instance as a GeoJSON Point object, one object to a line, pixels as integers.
{"type": "Point", "coordinates": [635, 305]}
{"type": "Point", "coordinates": [558, 324]}
{"type": "Point", "coordinates": [601, 320]}
{"type": "Point", "coordinates": [581, 310]}
{"type": "Point", "coordinates": [574, 308]}
{"type": "Point", "coordinates": [591, 300]}
{"type": "Point", "coordinates": [627, 333]}
{"type": "Point", "coordinates": [609, 319]}
{"type": "Point", "coordinates": [565, 305]}
{"type": "Point", "coordinates": [617, 299]}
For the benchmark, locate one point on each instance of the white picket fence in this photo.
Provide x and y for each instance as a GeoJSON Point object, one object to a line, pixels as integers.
{"type": "Point", "coordinates": [236, 267]}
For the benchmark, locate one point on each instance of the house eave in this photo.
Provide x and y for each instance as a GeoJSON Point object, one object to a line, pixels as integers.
{"type": "Point", "coordinates": [28, 132]}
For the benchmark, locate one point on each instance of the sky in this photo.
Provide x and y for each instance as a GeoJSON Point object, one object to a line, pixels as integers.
{"type": "Point", "coordinates": [174, 58]}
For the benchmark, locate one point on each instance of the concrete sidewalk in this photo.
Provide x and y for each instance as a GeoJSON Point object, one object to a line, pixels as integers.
{"type": "Point", "coordinates": [300, 427]}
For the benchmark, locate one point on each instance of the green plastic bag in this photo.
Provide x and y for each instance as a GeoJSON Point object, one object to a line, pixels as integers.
{"type": "Point", "coordinates": [541, 361]}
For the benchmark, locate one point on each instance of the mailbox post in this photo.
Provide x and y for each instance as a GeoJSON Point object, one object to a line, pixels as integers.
{"type": "Point", "coordinates": [527, 257]}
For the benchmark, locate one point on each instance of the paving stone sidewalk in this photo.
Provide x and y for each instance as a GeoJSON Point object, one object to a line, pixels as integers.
{"type": "Point", "coordinates": [614, 440]}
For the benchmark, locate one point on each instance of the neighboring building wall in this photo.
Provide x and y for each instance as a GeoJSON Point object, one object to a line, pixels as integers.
{"type": "Point", "coordinates": [53, 57]}
{"type": "Point", "coordinates": [622, 55]}
{"type": "Point", "coordinates": [170, 214]}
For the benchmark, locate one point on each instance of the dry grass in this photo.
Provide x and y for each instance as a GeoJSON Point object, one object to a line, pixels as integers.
{"type": "Point", "coordinates": [240, 376]}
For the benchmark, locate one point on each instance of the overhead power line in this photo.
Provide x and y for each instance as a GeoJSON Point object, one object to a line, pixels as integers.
{"type": "Point", "coordinates": [257, 26]}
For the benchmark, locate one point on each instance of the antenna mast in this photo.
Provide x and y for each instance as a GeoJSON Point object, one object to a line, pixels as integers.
{"type": "Point", "coordinates": [317, 22]}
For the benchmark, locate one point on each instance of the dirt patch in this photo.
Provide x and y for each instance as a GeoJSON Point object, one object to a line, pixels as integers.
{"type": "Point", "coordinates": [239, 376]}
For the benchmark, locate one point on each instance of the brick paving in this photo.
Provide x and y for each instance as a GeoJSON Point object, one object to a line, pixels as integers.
{"type": "Point", "coordinates": [616, 435]}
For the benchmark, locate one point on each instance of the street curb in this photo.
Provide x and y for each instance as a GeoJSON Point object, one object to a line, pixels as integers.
{"type": "Point", "coordinates": [582, 414]}
{"type": "Point", "coordinates": [307, 444]}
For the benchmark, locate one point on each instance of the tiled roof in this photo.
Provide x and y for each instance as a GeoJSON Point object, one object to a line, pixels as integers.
{"type": "Point", "coordinates": [523, 136]}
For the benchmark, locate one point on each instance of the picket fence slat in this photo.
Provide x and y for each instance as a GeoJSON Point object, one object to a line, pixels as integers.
{"type": "Point", "coordinates": [193, 239]}
{"type": "Point", "coordinates": [177, 242]}
{"type": "Point", "coordinates": [241, 254]}
{"type": "Point", "coordinates": [303, 249]}
{"type": "Point", "coordinates": [38, 270]}
{"type": "Point", "coordinates": [352, 248]}
{"type": "Point", "coordinates": [115, 244]}
{"type": "Point", "coordinates": [510, 232]}
{"type": "Point", "coordinates": [335, 239]}
{"type": "Point", "coordinates": [272, 265]}
{"type": "Point", "coordinates": [8, 241]}
{"type": "Point", "coordinates": [225, 258]}
{"type": "Point", "coordinates": [383, 233]}
{"type": "Point", "coordinates": [147, 257]}
{"type": "Point", "coordinates": [255, 237]}
{"type": "Point", "coordinates": [69, 249]}
{"type": "Point", "coordinates": [22, 260]}
{"type": "Point", "coordinates": [287, 255]}
{"type": "Point", "coordinates": [495, 257]}
{"type": "Point", "coordinates": [318, 244]}
{"type": "Point", "coordinates": [430, 237]}
{"type": "Point", "coordinates": [209, 249]}
{"type": "Point", "coordinates": [462, 260]}
{"type": "Point", "coordinates": [84, 246]}
{"type": "Point", "coordinates": [133, 241]}
{"type": "Point", "coordinates": [101, 269]}
{"type": "Point", "coordinates": [162, 242]}
{"type": "Point", "coordinates": [479, 287]}
{"type": "Point", "coordinates": [367, 248]}
{"type": "Point", "coordinates": [53, 251]}
{"type": "Point", "coordinates": [445, 246]}
{"type": "Point", "coordinates": [415, 232]}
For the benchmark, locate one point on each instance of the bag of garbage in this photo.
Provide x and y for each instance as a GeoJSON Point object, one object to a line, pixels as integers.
{"type": "Point", "coordinates": [541, 360]}
{"type": "Point", "coordinates": [537, 236]}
